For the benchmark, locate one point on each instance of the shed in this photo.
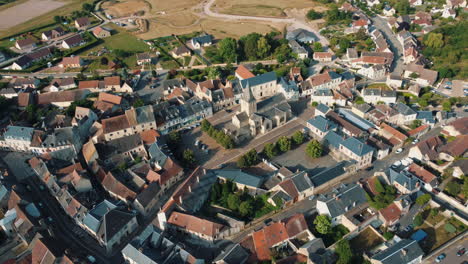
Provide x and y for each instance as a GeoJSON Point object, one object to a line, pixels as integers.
{"type": "Point", "coordinates": [419, 235]}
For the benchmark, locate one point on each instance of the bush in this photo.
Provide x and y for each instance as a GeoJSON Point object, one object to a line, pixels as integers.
{"type": "Point", "coordinates": [323, 224]}
{"type": "Point", "coordinates": [388, 235]}
{"type": "Point", "coordinates": [313, 15]}
{"type": "Point", "coordinates": [298, 137]}
{"type": "Point", "coordinates": [418, 220]}
{"type": "Point", "coordinates": [270, 150]}
{"type": "Point", "coordinates": [221, 138]}
{"type": "Point", "coordinates": [423, 199]}
{"type": "Point", "coordinates": [284, 144]}
{"type": "Point", "coordinates": [248, 159]}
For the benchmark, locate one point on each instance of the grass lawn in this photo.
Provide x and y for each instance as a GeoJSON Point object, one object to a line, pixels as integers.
{"type": "Point", "coordinates": [169, 64]}
{"type": "Point", "coordinates": [437, 237]}
{"type": "Point", "coordinates": [379, 85]}
{"type": "Point", "coordinates": [366, 240]}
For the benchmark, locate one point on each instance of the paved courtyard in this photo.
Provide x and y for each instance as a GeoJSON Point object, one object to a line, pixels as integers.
{"type": "Point", "coordinates": [297, 159]}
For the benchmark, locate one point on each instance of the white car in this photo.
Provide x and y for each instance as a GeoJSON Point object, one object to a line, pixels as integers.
{"type": "Point", "coordinates": [398, 151]}
{"type": "Point", "coordinates": [415, 141]}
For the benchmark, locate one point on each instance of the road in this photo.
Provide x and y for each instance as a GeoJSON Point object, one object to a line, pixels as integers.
{"type": "Point", "coordinates": [395, 45]}
{"type": "Point", "coordinates": [451, 253]}
{"type": "Point", "coordinates": [295, 23]}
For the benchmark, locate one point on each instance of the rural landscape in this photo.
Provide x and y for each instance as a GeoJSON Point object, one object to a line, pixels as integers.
{"type": "Point", "coordinates": [233, 132]}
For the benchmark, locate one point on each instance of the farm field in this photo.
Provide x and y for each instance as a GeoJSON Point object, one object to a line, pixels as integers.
{"type": "Point", "coordinates": [126, 8]}
{"type": "Point", "coordinates": [271, 8]}
{"type": "Point", "coordinates": [34, 13]}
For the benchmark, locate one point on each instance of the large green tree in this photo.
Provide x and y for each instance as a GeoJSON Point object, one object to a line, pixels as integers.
{"type": "Point", "coordinates": [284, 144]}
{"type": "Point", "coordinates": [233, 202]}
{"type": "Point", "coordinates": [227, 49]}
{"type": "Point", "coordinates": [314, 149]}
{"type": "Point", "coordinates": [263, 48]}
{"type": "Point", "coordinates": [343, 250]}
{"type": "Point", "coordinates": [298, 137]}
{"type": "Point", "coordinates": [270, 150]}
{"type": "Point", "coordinates": [323, 224]}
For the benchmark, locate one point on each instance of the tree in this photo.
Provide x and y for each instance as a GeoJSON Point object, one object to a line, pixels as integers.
{"type": "Point", "coordinates": [418, 220]}
{"type": "Point", "coordinates": [174, 137]}
{"type": "Point", "coordinates": [233, 202]}
{"type": "Point", "coordinates": [227, 49]}
{"type": "Point", "coordinates": [414, 75]}
{"type": "Point", "coordinates": [284, 144]}
{"type": "Point", "coordinates": [423, 199]}
{"type": "Point", "coordinates": [423, 102]}
{"type": "Point", "coordinates": [318, 47]}
{"type": "Point", "coordinates": [205, 125]}
{"type": "Point", "coordinates": [388, 235]}
{"type": "Point", "coordinates": [453, 188]}
{"type": "Point", "coordinates": [344, 44]}
{"type": "Point", "coordinates": [250, 46]}
{"type": "Point", "coordinates": [263, 48]}
{"type": "Point", "coordinates": [313, 15]}
{"type": "Point", "coordinates": [403, 7]}
{"type": "Point", "coordinates": [283, 53]}
{"type": "Point", "coordinates": [189, 157]}
{"type": "Point", "coordinates": [87, 7]}
{"type": "Point", "coordinates": [124, 73]}
{"type": "Point", "coordinates": [343, 250]}
{"type": "Point", "coordinates": [104, 60]}
{"type": "Point", "coordinates": [154, 74]}
{"type": "Point", "coordinates": [323, 224]}
{"type": "Point", "coordinates": [138, 103]}
{"type": "Point", "coordinates": [446, 106]}
{"type": "Point", "coordinates": [270, 150]}
{"type": "Point", "coordinates": [248, 159]}
{"type": "Point", "coordinates": [245, 208]}
{"type": "Point", "coordinates": [434, 212]}
{"type": "Point", "coordinates": [212, 73]}
{"type": "Point", "coordinates": [434, 40]}
{"type": "Point", "coordinates": [298, 137]}
{"type": "Point", "coordinates": [58, 19]}
{"type": "Point", "coordinates": [359, 100]}
{"type": "Point", "coordinates": [314, 149]}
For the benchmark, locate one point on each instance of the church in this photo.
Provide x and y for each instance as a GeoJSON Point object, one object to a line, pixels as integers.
{"type": "Point", "coordinates": [258, 118]}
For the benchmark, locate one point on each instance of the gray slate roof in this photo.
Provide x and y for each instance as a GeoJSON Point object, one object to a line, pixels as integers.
{"type": "Point", "coordinates": [238, 176]}
{"type": "Point", "coordinates": [405, 251]}
{"type": "Point", "coordinates": [322, 108]}
{"type": "Point", "coordinates": [19, 133]}
{"type": "Point", "coordinates": [259, 79]}
{"type": "Point", "coordinates": [322, 124]}
{"type": "Point", "coordinates": [333, 139]}
{"type": "Point", "coordinates": [404, 109]}
{"type": "Point", "coordinates": [343, 199]}
{"type": "Point", "coordinates": [356, 146]}
{"type": "Point", "coordinates": [330, 173]}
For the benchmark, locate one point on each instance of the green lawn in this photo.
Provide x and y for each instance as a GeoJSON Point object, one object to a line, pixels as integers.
{"type": "Point", "coordinates": [366, 240]}
{"type": "Point", "coordinates": [379, 85]}
{"type": "Point", "coordinates": [437, 237]}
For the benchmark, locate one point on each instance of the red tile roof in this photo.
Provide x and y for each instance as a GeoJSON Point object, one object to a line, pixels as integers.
{"type": "Point", "coordinates": [88, 84]}
{"type": "Point", "coordinates": [113, 80]}
{"type": "Point", "coordinates": [457, 147]}
{"type": "Point", "coordinates": [391, 213]}
{"type": "Point", "coordinates": [243, 72]}
{"type": "Point", "coordinates": [421, 173]}
{"type": "Point", "coordinates": [111, 184]}
{"type": "Point", "coordinates": [397, 134]}
{"type": "Point", "coordinates": [115, 123]}
{"type": "Point", "coordinates": [110, 98]}
{"type": "Point", "coordinates": [149, 136]}
{"type": "Point", "coordinates": [417, 130]}
{"type": "Point", "coordinates": [289, 187]}
{"type": "Point", "coordinates": [195, 224]}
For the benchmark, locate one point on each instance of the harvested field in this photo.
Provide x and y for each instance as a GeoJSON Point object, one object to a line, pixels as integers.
{"type": "Point", "coordinates": [28, 10]}
{"type": "Point", "coordinates": [218, 28]}
{"type": "Point", "coordinates": [126, 8]}
{"type": "Point", "coordinates": [172, 6]}
{"type": "Point", "coordinates": [272, 8]}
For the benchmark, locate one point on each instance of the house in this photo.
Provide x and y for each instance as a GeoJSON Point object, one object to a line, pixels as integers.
{"type": "Point", "coordinates": [297, 187]}
{"type": "Point", "coordinates": [61, 98]}
{"type": "Point", "coordinates": [234, 253]}
{"type": "Point", "coordinates": [301, 35]}
{"type": "Point", "coordinates": [112, 83]}
{"type": "Point", "coordinates": [392, 135]}
{"type": "Point", "coordinates": [24, 83]}
{"type": "Point", "coordinates": [460, 168]}
{"type": "Point", "coordinates": [326, 80]}
{"type": "Point", "coordinates": [197, 227]}
{"type": "Point", "coordinates": [8, 93]}
{"type": "Point", "coordinates": [449, 13]}
{"type": "Point", "coordinates": [261, 86]}
{"type": "Point", "coordinates": [301, 52]}
{"type": "Point", "coordinates": [394, 81]}
{"type": "Point", "coordinates": [421, 76]}
{"type": "Point", "coordinates": [381, 149]}
{"type": "Point", "coordinates": [375, 72]}
{"type": "Point", "coordinates": [180, 52]}
{"type": "Point", "coordinates": [109, 224]}
{"type": "Point", "coordinates": [107, 102]}
{"type": "Point", "coordinates": [143, 58]}
{"type": "Point", "coordinates": [146, 200]}
{"type": "Point", "coordinates": [82, 23]}
{"type": "Point", "coordinates": [388, 11]}
{"type": "Point", "coordinates": [241, 179]}
{"type": "Point", "coordinates": [321, 110]}
{"type": "Point", "coordinates": [416, 2]}
{"type": "Point", "coordinates": [26, 44]}
{"type": "Point", "coordinates": [390, 214]}
{"type": "Point", "coordinates": [320, 126]}
{"type": "Point", "coordinates": [405, 115]}
{"type": "Point", "coordinates": [357, 150]}
{"type": "Point", "coordinates": [151, 246]}
{"type": "Point", "coordinates": [323, 56]}
{"type": "Point", "coordinates": [361, 110]}
{"type": "Point", "coordinates": [404, 251]}
{"type": "Point", "coordinates": [378, 95]}
{"type": "Point", "coordinates": [135, 120]}
{"type": "Point", "coordinates": [345, 126]}
{"type": "Point", "coordinates": [457, 127]}
{"type": "Point", "coordinates": [351, 54]}
{"type": "Point", "coordinates": [456, 3]}
{"type": "Point", "coordinates": [73, 41]}
{"type": "Point", "coordinates": [278, 234]}
{"type": "Point", "coordinates": [242, 73]}
{"type": "Point", "coordinates": [428, 178]}
{"type": "Point", "coordinates": [52, 34]}
{"type": "Point", "coordinates": [339, 201]}
{"type": "Point", "coordinates": [360, 23]}
{"type": "Point", "coordinates": [372, 3]}
{"type": "Point", "coordinates": [191, 194]}
{"type": "Point", "coordinates": [101, 32]}
{"type": "Point", "coordinates": [71, 62]}
{"type": "Point", "coordinates": [27, 60]}
{"type": "Point", "coordinates": [289, 89]}
{"type": "Point", "coordinates": [204, 40]}
{"type": "Point", "coordinates": [17, 138]}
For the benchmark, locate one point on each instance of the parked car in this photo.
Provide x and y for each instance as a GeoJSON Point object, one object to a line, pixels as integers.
{"type": "Point", "coordinates": [461, 252]}
{"type": "Point", "coordinates": [441, 257]}
{"type": "Point", "coordinates": [415, 141]}
{"type": "Point", "coordinates": [398, 151]}
{"type": "Point", "coordinates": [197, 142]}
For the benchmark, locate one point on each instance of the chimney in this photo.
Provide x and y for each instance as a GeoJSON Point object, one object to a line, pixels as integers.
{"type": "Point", "coordinates": [404, 251]}
{"type": "Point", "coordinates": [180, 199]}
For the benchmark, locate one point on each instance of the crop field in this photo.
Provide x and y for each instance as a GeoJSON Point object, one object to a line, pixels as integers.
{"type": "Point", "coordinates": [271, 8]}
{"type": "Point", "coordinates": [126, 8]}
{"type": "Point", "coordinates": [23, 15]}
